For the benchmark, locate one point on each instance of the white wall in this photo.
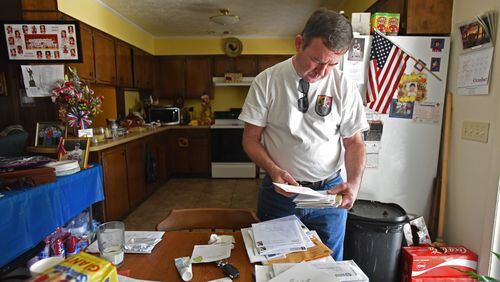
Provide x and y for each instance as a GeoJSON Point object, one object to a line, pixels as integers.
{"type": "Point", "coordinates": [474, 167]}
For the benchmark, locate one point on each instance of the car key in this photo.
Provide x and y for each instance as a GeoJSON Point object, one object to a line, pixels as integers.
{"type": "Point", "coordinates": [230, 270]}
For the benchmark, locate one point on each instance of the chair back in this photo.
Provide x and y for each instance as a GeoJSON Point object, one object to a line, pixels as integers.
{"type": "Point", "coordinates": [207, 218]}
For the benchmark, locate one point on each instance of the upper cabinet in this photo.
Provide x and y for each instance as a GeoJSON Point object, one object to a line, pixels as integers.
{"type": "Point", "coordinates": [143, 69]}
{"type": "Point", "coordinates": [104, 52]}
{"type": "Point", "coordinates": [246, 65]}
{"type": "Point", "coordinates": [171, 78]}
{"type": "Point", "coordinates": [198, 76]}
{"type": "Point", "coordinates": [85, 69]}
{"type": "Point", "coordinates": [124, 64]}
{"type": "Point", "coordinates": [266, 61]}
{"type": "Point", "coordinates": [419, 17]}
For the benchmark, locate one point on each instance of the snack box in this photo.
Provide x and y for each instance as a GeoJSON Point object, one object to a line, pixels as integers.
{"type": "Point", "coordinates": [80, 267]}
{"type": "Point", "coordinates": [379, 21]}
{"type": "Point", "coordinates": [420, 262]}
{"type": "Point", "coordinates": [392, 27]}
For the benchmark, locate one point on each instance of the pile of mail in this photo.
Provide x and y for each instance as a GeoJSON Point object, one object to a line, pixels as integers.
{"type": "Point", "coordinates": [284, 239]}
{"type": "Point", "coordinates": [309, 198]}
{"type": "Point", "coordinates": [342, 271]}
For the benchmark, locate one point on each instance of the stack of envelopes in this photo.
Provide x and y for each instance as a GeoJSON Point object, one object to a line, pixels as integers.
{"type": "Point", "coordinates": [309, 198]}
{"type": "Point", "coordinates": [284, 239]}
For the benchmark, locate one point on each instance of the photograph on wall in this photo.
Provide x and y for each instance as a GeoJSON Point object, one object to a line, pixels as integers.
{"type": "Point", "coordinates": [77, 149]}
{"type": "Point", "coordinates": [43, 41]}
{"type": "Point", "coordinates": [48, 134]}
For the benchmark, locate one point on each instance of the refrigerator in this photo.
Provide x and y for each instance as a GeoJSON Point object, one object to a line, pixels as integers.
{"type": "Point", "coordinates": [403, 145]}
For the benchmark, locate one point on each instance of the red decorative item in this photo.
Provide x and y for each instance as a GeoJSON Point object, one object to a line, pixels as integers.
{"type": "Point", "coordinates": [434, 262]}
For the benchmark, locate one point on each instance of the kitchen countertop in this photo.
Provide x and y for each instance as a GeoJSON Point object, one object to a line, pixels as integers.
{"type": "Point", "coordinates": [131, 136]}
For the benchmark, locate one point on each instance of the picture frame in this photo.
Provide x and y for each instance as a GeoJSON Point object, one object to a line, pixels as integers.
{"type": "Point", "coordinates": [48, 133]}
{"type": "Point", "coordinates": [77, 149]}
{"type": "Point", "coordinates": [3, 85]}
{"type": "Point", "coordinates": [42, 41]}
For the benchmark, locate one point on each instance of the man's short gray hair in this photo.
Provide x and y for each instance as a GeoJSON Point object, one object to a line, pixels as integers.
{"type": "Point", "coordinates": [332, 27]}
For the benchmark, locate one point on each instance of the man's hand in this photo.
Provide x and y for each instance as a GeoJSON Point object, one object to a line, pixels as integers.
{"type": "Point", "coordinates": [281, 176]}
{"type": "Point", "coordinates": [349, 193]}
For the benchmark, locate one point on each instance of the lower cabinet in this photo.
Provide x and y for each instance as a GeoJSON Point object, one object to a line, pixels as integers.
{"type": "Point", "coordinates": [114, 163]}
{"type": "Point", "coordinates": [190, 151]}
{"type": "Point", "coordinates": [132, 171]}
{"type": "Point", "coordinates": [136, 160]}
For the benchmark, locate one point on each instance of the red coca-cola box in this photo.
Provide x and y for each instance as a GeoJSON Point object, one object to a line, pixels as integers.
{"type": "Point", "coordinates": [420, 262]}
{"type": "Point", "coordinates": [408, 278]}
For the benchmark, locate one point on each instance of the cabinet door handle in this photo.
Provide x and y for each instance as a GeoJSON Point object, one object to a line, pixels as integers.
{"type": "Point", "coordinates": [183, 142]}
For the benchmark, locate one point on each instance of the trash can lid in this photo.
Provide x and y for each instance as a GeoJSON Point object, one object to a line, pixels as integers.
{"type": "Point", "coordinates": [377, 211]}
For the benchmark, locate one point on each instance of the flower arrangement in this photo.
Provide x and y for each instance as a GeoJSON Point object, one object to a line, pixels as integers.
{"type": "Point", "coordinates": [76, 101]}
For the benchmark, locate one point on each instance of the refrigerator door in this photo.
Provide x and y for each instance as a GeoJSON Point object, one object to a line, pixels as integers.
{"type": "Point", "coordinates": [408, 149]}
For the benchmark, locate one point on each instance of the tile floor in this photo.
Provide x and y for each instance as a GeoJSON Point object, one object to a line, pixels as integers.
{"type": "Point", "coordinates": [193, 193]}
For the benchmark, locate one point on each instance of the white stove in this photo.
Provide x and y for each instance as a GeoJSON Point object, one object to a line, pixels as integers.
{"type": "Point", "coordinates": [228, 158]}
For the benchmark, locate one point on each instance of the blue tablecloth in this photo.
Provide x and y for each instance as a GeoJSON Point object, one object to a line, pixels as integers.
{"type": "Point", "coordinates": [29, 215]}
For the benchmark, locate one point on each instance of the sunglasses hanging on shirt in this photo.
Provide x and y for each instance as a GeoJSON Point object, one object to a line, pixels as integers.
{"type": "Point", "coordinates": [303, 102]}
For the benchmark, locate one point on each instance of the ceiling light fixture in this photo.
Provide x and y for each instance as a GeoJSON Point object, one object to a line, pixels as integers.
{"type": "Point", "coordinates": [225, 18]}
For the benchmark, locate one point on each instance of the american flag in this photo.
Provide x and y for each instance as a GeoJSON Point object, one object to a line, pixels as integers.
{"type": "Point", "coordinates": [387, 65]}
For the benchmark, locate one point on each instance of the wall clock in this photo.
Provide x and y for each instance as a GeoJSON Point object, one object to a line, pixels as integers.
{"type": "Point", "coordinates": [233, 47]}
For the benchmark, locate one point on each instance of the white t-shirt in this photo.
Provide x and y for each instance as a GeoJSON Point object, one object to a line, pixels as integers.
{"type": "Point", "coordinates": [307, 145]}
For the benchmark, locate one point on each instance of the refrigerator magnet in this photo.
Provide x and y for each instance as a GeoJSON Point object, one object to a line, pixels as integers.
{"type": "Point", "coordinates": [401, 109]}
{"type": "Point", "coordinates": [435, 64]}
{"type": "Point", "coordinates": [420, 65]}
{"type": "Point", "coordinates": [437, 44]}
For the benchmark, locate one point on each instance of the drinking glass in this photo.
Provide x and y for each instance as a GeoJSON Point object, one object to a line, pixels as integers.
{"type": "Point", "coordinates": [111, 241]}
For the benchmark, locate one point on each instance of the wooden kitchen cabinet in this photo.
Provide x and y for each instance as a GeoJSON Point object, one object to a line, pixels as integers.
{"type": "Point", "coordinates": [171, 76]}
{"type": "Point", "coordinates": [190, 151]}
{"type": "Point", "coordinates": [246, 65]}
{"type": "Point", "coordinates": [143, 69]}
{"type": "Point", "coordinates": [115, 182]}
{"type": "Point", "coordinates": [124, 64]}
{"type": "Point", "coordinates": [198, 76]}
{"type": "Point", "coordinates": [136, 172]}
{"type": "Point", "coordinates": [85, 69]}
{"type": "Point", "coordinates": [419, 17]}
{"type": "Point", "coordinates": [105, 64]}
{"type": "Point", "coordinates": [266, 61]}
{"type": "Point", "coordinates": [45, 5]}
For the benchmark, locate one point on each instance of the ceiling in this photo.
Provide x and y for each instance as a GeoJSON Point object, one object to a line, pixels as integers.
{"type": "Point", "coordinates": [190, 18]}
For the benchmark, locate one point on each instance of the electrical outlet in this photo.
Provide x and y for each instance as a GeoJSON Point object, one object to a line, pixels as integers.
{"type": "Point", "coordinates": [475, 131]}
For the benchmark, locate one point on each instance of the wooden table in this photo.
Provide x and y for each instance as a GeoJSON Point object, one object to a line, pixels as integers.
{"type": "Point", "coordinates": [159, 265]}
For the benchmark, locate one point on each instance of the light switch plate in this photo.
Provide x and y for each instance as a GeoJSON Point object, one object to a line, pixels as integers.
{"type": "Point", "coordinates": [475, 131]}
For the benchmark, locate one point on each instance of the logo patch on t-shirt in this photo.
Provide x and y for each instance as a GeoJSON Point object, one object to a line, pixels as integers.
{"type": "Point", "coordinates": [323, 105]}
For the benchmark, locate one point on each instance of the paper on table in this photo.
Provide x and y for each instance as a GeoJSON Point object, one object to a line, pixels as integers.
{"type": "Point", "coordinates": [269, 235]}
{"type": "Point", "coordinates": [210, 253]}
{"type": "Point", "coordinates": [136, 242]}
{"type": "Point", "coordinates": [304, 272]}
{"type": "Point", "coordinates": [263, 273]}
{"type": "Point", "coordinates": [298, 189]}
{"type": "Point", "coordinates": [345, 270]}
{"type": "Point", "coordinates": [122, 278]}
{"type": "Point", "coordinates": [252, 252]}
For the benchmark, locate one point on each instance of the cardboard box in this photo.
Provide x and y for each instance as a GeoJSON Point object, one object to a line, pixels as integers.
{"type": "Point", "coordinates": [379, 21]}
{"type": "Point", "coordinates": [408, 278]}
{"type": "Point", "coordinates": [421, 262]}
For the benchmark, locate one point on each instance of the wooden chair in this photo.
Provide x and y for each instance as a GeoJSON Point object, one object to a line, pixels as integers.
{"type": "Point", "coordinates": [207, 218]}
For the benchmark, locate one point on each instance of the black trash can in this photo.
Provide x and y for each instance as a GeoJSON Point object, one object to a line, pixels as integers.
{"type": "Point", "coordinates": [374, 237]}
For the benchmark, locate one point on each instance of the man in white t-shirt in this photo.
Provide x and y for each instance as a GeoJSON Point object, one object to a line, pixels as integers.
{"type": "Point", "coordinates": [299, 116]}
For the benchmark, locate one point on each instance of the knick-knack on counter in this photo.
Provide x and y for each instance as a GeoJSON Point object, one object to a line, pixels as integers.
{"type": "Point", "coordinates": [206, 110]}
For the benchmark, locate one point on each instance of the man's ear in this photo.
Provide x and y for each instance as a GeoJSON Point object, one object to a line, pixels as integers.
{"type": "Point", "coordinates": [299, 40]}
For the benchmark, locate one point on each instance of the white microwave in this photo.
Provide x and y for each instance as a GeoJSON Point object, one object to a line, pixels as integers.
{"type": "Point", "coordinates": [165, 115]}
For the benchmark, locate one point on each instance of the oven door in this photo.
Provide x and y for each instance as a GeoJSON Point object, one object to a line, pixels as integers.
{"type": "Point", "coordinates": [228, 158]}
